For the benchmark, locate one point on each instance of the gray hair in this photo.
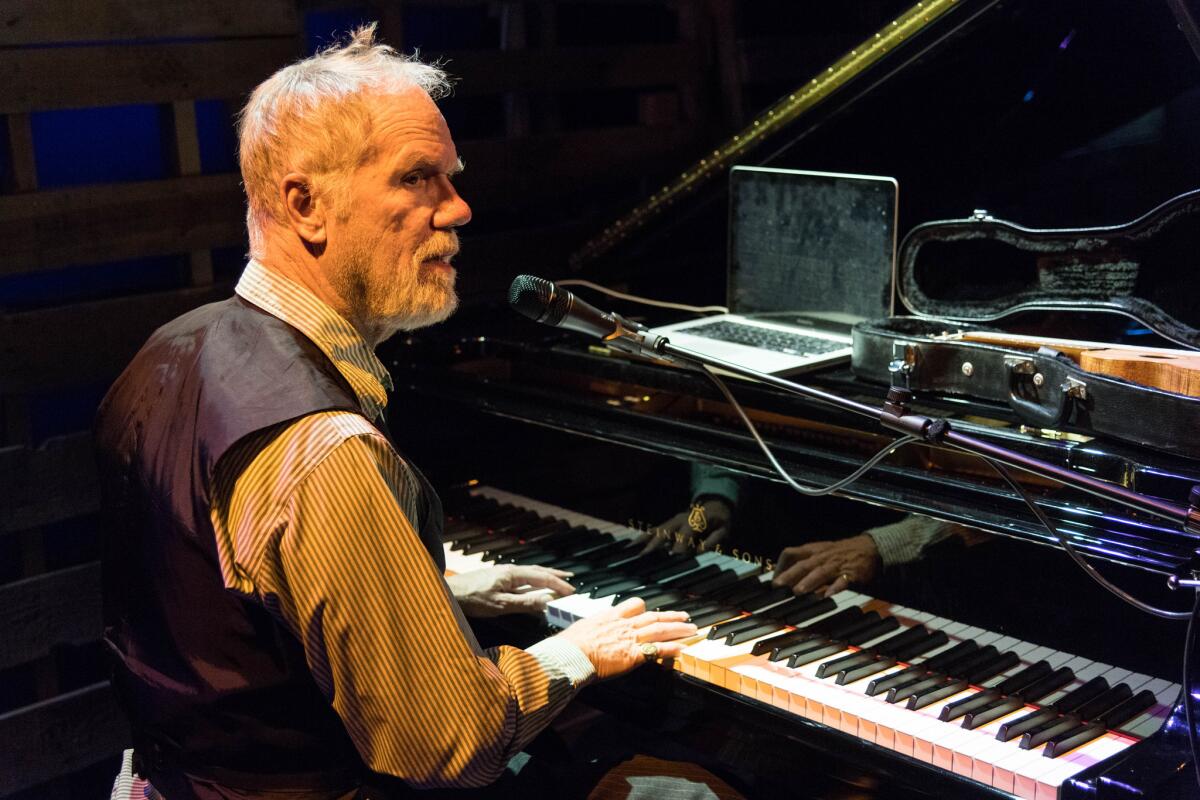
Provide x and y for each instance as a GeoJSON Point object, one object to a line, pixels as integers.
{"type": "Point", "coordinates": [313, 117]}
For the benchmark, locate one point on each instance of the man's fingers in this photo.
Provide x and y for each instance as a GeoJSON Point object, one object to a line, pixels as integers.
{"type": "Point", "coordinates": [541, 578]}
{"type": "Point", "coordinates": [795, 572]}
{"type": "Point", "coordinates": [838, 585]}
{"type": "Point", "coordinates": [530, 603]}
{"type": "Point", "coordinates": [665, 631]}
{"type": "Point", "coordinates": [629, 608]}
{"type": "Point", "coordinates": [790, 555]}
{"type": "Point", "coordinates": [651, 617]}
{"type": "Point", "coordinates": [819, 576]}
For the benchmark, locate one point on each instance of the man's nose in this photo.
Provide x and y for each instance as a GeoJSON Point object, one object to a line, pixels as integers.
{"type": "Point", "coordinates": [453, 211]}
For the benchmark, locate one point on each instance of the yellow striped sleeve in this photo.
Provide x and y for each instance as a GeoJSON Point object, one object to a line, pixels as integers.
{"type": "Point", "coordinates": [317, 528]}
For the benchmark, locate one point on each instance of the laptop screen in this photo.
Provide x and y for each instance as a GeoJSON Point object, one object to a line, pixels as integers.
{"type": "Point", "coordinates": [811, 241]}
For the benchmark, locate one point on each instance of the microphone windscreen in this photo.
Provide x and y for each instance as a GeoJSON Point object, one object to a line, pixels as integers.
{"type": "Point", "coordinates": [537, 299]}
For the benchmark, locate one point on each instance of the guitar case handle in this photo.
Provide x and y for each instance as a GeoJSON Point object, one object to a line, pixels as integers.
{"type": "Point", "coordinates": [1041, 390]}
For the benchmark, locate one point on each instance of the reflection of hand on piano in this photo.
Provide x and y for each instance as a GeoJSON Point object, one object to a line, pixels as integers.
{"type": "Point", "coordinates": [834, 565]}
{"type": "Point", "coordinates": [508, 589]}
{"type": "Point", "coordinates": [612, 639]}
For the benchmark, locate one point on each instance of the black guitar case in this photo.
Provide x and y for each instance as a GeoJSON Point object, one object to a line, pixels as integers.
{"type": "Point", "coordinates": [1096, 284]}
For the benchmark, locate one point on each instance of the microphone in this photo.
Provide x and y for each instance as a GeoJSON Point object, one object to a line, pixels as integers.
{"type": "Point", "coordinates": [542, 301]}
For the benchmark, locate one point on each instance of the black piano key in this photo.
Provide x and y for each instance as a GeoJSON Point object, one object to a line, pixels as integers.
{"type": "Point", "coordinates": [871, 631]}
{"type": "Point", "coordinates": [487, 544]}
{"type": "Point", "coordinates": [744, 584]}
{"type": "Point", "coordinates": [928, 698]}
{"type": "Point", "coordinates": [626, 586]}
{"type": "Point", "coordinates": [1031, 693]}
{"type": "Point", "coordinates": [788, 649]}
{"type": "Point", "coordinates": [845, 663]}
{"type": "Point", "coordinates": [920, 647]}
{"type": "Point", "coordinates": [789, 637]}
{"type": "Point", "coordinates": [1051, 729]}
{"type": "Point", "coordinates": [968, 705]}
{"type": "Point", "coordinates": [898, 694]}
{"type": "Point", "coordinates": [1017, 727]}
{"type": "Point", "coordinates": [994, 710]}
{"type": "Point", "coordinates": [1104, 702]}
{"type": "Point", "coordinates": [672, 568]}
{"type": "Point", "coordinates": [1080, 695]}
{"type": "Point", "coordinates": [821, 649]}
{"type": "Point", "coordinates": [1052, 682]}
{"type": "Point", "coordinates": [704, 607]}
{"type": "Point", "coordinates": [1123, 712]}
{"type": "Point", "coordinates": [918, 671]}
{"type": "Point", "coordinates": [1022, 678]}
{"type": "Point", "coordinates": [796, 604]}
{"type": "Point", "coordinates": [772, 596]}
{"type": "Point", "coordinates": [743, 591]}
{"type": "Point", "coordinates": [694, 604]}
{"type": "Point", "coordinates": [991, 668]}
{"type": "Point", "coordinates": [706, 619]}
{"type": "Point", "coordinates": [902, 639]}
{"type": "Point", "coordinates": [1086, 732]}
{"type": "Point", "coordinates": [695, 576]}
{"type": "Point", "coordinates": [724, 628]}
{"type": "Point", "coordinates": [959, 667]}
{"type": "Point", "coordinates": [723, 578]}
{"type": "Point", "coordinates": [799, 616]}
{"type": "Point", "coordinates": [858, 673]}
{"type": "Point", "coordinates": [1080, 734]}
{"type": "Point", "coordinates": [664, 601]}
{"type": "Point", "coordinates": [746, 634]}
{"type": "Point", "coordinates": [944, 659]}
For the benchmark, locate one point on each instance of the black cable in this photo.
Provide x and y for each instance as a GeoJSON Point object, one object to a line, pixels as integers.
{"type": "Point", "coordinates": [804, 490]}
{"type": "Point", "coordinates": [1188, 689]}
{"type": "Point", "coordinates": [1073, 553]}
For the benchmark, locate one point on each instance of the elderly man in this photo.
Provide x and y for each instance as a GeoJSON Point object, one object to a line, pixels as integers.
{"type": "Point", "coordinates": [275, 598]}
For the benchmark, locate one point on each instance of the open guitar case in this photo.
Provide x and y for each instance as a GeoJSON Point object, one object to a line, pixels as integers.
{"type": "Point", "coordinates": [984, 274]}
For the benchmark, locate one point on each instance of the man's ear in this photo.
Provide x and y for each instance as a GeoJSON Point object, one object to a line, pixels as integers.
{"type": "Point", "coordinates": [305, 215]}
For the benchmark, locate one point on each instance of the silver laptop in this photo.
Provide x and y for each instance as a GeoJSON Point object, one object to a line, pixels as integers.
{"type": "Point", "coordinates": [810, 254]}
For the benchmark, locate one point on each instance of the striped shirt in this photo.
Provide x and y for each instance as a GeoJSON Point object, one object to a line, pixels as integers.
{"type": "Point", "coordinates": [313, 520]}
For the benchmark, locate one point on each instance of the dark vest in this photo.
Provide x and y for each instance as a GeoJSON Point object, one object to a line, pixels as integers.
{"type": "Point", "coordinates": [214, 683]}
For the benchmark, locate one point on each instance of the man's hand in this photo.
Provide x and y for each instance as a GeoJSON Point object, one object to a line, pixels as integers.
{"type": "Point", "coordinates": [834, 565]}
{"type": "Point", "coordinates": [612, 640]}
{"type": "Point", "coordinates": [508, 589]}
{"type": "Point", "coordinates": [718, 523]}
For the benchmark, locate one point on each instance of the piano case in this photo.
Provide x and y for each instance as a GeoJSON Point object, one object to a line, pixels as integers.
{"type": "Point", "coordinates": [982, 274]}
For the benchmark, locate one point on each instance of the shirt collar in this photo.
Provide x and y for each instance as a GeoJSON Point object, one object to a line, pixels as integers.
{"type": "Point", "coordinates": [328, 330]}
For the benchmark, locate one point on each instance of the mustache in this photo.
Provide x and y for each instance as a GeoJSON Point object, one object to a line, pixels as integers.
{"type": "Point", "coordinates": [442, 245]}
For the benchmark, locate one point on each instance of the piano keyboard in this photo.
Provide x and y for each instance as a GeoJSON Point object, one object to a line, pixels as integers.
{"type": "Point", "coordinates": [1013, 715]}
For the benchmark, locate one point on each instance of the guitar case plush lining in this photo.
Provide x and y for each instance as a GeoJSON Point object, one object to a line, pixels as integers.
{"type": "Point", "coordinates": [984, 274]}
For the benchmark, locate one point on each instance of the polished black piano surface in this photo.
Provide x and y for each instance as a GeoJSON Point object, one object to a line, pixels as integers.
{"type": "Point", "coordinates": [1065, 113]}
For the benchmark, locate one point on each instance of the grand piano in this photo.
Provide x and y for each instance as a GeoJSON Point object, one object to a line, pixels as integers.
{"type": "Point", "coordinates": [991, 667]}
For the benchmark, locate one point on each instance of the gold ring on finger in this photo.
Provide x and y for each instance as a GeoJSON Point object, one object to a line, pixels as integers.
{"type": "Point", "coordinates": [845, 576]}
{"type": "Point", "coordinates": [649, 651]}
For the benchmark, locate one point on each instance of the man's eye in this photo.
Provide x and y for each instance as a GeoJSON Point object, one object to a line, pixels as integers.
{"type": "Point", "coordinates": [413, 179]}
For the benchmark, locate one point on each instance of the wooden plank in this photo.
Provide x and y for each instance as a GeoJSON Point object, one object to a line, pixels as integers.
{"type": "Point", "coordinates": [498, 172]}
{"type": "Point", "coordinates": [57, 347]}
{"type": "Point", "coordinates": [60, 736]}
{"type": "Point", "coordinates": [51, 483]}
{"type": "Point", "coordinates": [38, 613]}
{"type": "Point", "coordinates": [38, 79]}
{"type": "Point", "coordinates": [94, 224]}
{"type": "Point", "coordinates": [23, 168]}
{"type": "Point", "coordinates": [27, 22]}
{"type": "Point", "coordinates": [567, 68]}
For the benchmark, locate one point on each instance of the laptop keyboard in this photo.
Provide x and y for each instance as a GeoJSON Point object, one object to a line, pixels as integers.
{"type": "Point", "coordinates": [796, 344]}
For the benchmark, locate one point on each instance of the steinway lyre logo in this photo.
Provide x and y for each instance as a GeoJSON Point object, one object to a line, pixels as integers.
{"type": "Point", "coordinates": [697, 519]}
